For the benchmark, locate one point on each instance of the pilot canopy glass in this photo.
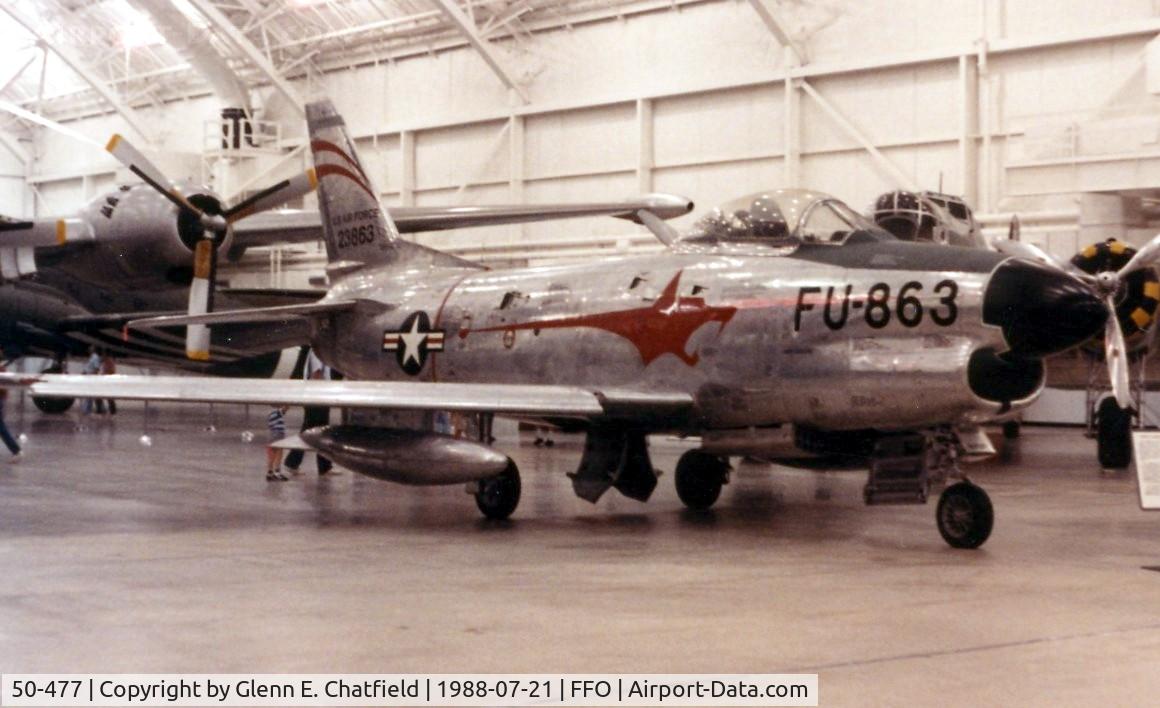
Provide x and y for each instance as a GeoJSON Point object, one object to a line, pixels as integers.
{"type": "Point", "coordinates": [780, 217]}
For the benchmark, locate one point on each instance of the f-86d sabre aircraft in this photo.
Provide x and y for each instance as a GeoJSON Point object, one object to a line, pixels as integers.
{"type": "Point", "coordinates": [785, 325]}
{"type": "Point", "coordinates": [67, 284]}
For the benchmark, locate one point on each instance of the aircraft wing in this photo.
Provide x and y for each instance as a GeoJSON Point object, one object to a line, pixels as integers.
{"type": "Point", "coordinates": [298, 226]}
{"type": "Point", "coordinates": [511, 400]}
{"type": "Point", "coordinates": [42, 233]}
{"type": "Point", "coordinates": [278, 313]}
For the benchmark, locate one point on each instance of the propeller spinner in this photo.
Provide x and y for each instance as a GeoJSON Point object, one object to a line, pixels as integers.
{"type": "Point", "coordinates": [1105, 281]}
{"type": "Point", "coordinates": [211, 223]}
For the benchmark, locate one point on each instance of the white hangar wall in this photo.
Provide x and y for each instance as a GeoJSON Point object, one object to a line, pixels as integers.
{"type": "Point", "coordinates": [693, 101]}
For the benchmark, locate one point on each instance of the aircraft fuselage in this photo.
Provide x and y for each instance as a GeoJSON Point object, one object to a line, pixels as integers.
{"type": "Point", "coordinates": [868, 335]}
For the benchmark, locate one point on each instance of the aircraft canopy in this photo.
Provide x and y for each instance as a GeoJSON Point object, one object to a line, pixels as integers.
{"type": "Point", "coordinates": [780, 217]}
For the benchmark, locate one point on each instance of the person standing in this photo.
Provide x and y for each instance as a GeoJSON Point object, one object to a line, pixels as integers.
{"type": "Point", "coordinates": [313, 417]}
{"type": "Point", "coordinates": [276, 425]}
{"type": "Point", "coordinates": [108, 368]}
{"type": "Point", "coordinates": [5, 436]}
{"type": "Point", "coordinates": [93, 367]}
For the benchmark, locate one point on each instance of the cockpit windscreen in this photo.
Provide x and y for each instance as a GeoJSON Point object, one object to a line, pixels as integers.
{"type": "Point", "coordinates": [781, 217]}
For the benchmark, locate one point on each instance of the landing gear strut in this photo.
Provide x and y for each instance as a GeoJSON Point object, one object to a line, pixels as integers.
{"type": "Point", "coordinates": [1113, 434]}
{"type": "Point", "coordinates": [905, 467]}
{"type": "Point", "coordinates": [965, 516]}
{"type": "Point", "coordinates": [498, 496]}
{"type": "Point", "coordinates": [699, 478]}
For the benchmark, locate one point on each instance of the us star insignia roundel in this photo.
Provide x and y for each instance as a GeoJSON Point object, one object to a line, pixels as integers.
{"type": "Point", "coordinates": [412, 342]}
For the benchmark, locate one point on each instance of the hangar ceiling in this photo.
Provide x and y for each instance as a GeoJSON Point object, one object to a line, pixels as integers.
{"type": "Point", "coordinates": [67, 58]}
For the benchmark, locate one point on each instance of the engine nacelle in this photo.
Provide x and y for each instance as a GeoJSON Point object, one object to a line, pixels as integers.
{"type": "Point", "coordinates": [414, 457]}
{"type": "Point", "coordinates": [140, 238]}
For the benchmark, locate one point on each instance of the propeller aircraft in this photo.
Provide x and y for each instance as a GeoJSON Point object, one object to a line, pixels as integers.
{"type": "Point", "coordinates": [784, 325]}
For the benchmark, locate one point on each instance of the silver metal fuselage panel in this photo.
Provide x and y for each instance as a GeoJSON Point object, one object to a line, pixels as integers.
{"type": "Point", "coordinates": [756, 340]}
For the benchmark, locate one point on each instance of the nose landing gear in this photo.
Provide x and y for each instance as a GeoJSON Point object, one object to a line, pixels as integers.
{"type": "Point", "coordinates": [964, 515]}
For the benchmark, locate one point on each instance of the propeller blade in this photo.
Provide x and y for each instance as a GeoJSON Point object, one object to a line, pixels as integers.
{"type": "Point", "coordinates": [1117, 356]}
{"type": "Point", "coordinates": [138, 164]}
{"type": "Point", "coordinates": [271, 197]}
{"type": "Point", "coordinates": [200, 299]}
{"type": "Point", "coordinates": [1144, 258]}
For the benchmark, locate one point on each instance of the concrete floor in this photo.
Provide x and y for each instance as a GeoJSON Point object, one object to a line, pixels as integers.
{"type": "Point", "coordinates": [180, 558]}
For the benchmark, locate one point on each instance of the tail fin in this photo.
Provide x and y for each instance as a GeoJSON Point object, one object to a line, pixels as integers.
{"type": "Point", "coordinates": [356, 227]}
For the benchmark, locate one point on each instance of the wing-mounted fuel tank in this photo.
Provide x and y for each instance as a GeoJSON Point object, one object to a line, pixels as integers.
{"type": "Point", "coordinates": [413, 457]}
{"type": "Point", "coordinates": [142, 239]}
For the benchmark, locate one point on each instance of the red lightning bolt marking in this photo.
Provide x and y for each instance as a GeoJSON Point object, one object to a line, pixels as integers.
{"type": "Point", "coordinates": [662, 328]}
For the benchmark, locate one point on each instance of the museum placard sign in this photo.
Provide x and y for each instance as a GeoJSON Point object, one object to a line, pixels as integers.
{"type": "Point", "coordinates": [1147, 460]}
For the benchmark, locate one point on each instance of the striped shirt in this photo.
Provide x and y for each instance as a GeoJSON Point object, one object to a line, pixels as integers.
{"type": "Point", "coordinates": [276, 423]}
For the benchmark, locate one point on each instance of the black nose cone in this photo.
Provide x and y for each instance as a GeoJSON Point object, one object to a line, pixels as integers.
{"type": "Point", "coordinates": [1041, 309]}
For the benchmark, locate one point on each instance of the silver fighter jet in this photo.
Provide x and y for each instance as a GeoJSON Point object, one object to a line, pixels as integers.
{"type": "Point", "coordinates": [783, 325]}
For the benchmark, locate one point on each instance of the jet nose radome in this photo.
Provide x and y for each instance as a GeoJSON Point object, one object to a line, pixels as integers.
{"type": "Point", "coordinates": [1041, 309]}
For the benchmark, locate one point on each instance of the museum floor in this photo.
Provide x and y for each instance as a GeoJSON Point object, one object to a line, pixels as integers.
{"type": "Point", "coordinates": [180, 557]}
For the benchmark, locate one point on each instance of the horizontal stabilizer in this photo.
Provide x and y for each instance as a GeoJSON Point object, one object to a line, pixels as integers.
{"type": "Point", "coordinates": [251, 315]}
{"type": "Point", "coordinates": [664, 206]}
{"type": "Point", "coordinates": [296, 226]}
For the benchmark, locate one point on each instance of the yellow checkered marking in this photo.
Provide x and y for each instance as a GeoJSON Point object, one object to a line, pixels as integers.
{"type": "Point", "coordinates": [1089, 252]}
{"type": "Point", "coordinates": [1141, 317]}
{"type": "Point", "coordinates": [1117, 247]}
{"type": "Point", "coordinates": [1152, 290]}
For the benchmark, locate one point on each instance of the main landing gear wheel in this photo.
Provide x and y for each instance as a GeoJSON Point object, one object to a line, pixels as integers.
{"type": "Point", "coordinates": [53, 406]}
{"type": "Point", "coordinates": [699, 479]}
{"type": "Point", "coordinates": [1113, 434]}
{"type": "Point", "coordinates": [498, 496]}
{"type": "Point", "coordinates": [965, 515]}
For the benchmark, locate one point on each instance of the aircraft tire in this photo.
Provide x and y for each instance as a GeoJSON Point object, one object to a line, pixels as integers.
{"type": "Point", "coordinates": [699, 478]}
{"type": "Point", "coordinates": [498, 496]}
{"type": "Point", "coordinates": [1113, 434]}
{"type": "Point", "coordinates": [1011, 429]}
{"type": "Point", "coordinates": [53, 406]}
{"type": "Point", "coordinates": [965, 515]}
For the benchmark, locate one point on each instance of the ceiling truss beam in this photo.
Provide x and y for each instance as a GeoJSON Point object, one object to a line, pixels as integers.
{"type": "Point", "coordinates": [7, 82]}
{"type": "Point", "coordinates": [98, 84]}
{"type": "Point", "coordinates": [183, 37]}
{"type": "Point", "coordinates": [775, 23]}
{"type": "Point", "coordinates": [452, 11]}
{"type": "Point", "coordinates": [901, 178]}
{"type": "Point", "coordinates": [239, 41]}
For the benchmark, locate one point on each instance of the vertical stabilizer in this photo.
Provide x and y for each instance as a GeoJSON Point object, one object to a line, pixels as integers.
{"type": "Point", "coordinates": [356, 227]}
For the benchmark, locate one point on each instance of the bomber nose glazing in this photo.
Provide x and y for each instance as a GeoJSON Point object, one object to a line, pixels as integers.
{"type": "Point", "coordinates": [1042, 310]}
